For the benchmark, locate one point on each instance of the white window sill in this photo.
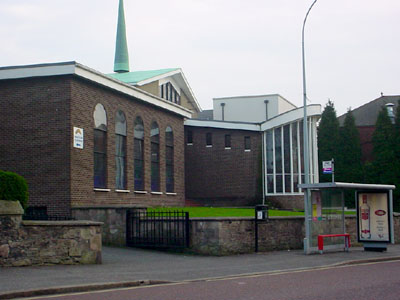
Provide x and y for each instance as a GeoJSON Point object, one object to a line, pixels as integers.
{"type": "Point", "coordinates": [140, 192]}
{"type": "Point", "coordinates": [101, 190]}
{"type": "Point", "coordinates": [156, 193]}
{"type": "Point", "coordinates": [208, 146]}
{"type": "Point", "coordinates": [228, 148]}
{"type": "Point", "coordinates": [123, 191]}
{"type": "Point", "coordinates": [171, 194]}
{"type": "Point", "coordinates": [247, 150]}
{"type": "Point", "coordinates": [189, 144]}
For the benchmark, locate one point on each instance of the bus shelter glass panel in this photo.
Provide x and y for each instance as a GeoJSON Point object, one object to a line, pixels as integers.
{"type": "Point", "coordinates": [326, 217]}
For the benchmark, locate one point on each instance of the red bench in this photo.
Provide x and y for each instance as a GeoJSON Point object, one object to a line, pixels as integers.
{"type": "Point", "coordinates": [322, 236]}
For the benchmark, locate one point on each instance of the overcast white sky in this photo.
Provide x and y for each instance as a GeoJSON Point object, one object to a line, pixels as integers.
{"type": "Point", "coordinates": [225, 48]}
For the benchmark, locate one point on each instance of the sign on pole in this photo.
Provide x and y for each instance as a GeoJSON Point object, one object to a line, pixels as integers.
{"type": "Point", "coordinates": [327, 167]}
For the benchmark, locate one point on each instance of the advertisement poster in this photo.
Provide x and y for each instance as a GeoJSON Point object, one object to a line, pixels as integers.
{"type": "Point", "coordinates": [373, 217]}
{"type": "Point", "coordinates": [316, 205]}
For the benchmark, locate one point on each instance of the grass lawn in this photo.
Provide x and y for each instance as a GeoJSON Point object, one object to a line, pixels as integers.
{"type": "Point", "coordinates": [201, 212]}
{"type": "Point", "coordinates": [204, 212]}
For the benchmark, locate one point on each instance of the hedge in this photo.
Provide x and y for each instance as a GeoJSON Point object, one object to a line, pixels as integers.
{"type": "Point", "coordinates": [13, 187]}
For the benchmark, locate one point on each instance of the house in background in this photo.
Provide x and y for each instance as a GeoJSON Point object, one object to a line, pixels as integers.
{"type": "Point", "coordinates": [365, 119]}
{"type": "Point", "coordinates": [247, 147]}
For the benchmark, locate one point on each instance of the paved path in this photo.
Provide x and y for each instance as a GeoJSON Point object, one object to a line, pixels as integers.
{"type": "Point", "coordinates": [133, 265]}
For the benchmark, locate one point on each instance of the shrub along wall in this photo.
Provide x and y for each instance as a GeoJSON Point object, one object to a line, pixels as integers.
{"type": "Point", "coordinates": [25, 243]}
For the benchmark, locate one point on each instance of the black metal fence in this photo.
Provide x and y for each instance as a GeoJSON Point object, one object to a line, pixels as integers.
{"type": "Point", "coordinates": [166, 229]}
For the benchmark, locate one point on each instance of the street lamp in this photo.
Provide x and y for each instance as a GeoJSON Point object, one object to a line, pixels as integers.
{"type": "Point", "coordinates": [305, 134]}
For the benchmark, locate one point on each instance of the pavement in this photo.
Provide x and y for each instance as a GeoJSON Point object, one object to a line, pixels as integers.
{"type": "Point", "coordinates": [123, 267]}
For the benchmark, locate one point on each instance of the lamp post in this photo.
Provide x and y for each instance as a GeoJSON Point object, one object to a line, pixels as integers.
{"type": "Point", "coordinates": [306, 144]}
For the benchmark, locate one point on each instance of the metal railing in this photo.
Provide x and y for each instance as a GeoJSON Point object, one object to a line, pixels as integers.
{"type": "Point", "coordinates": [166, 229]}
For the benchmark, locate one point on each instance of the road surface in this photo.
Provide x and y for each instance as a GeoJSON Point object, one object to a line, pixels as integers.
{"type": "Point", "coordinates": [369, 281]}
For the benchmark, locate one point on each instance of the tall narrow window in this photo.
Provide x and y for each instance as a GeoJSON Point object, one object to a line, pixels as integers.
{"type": "Point", "coordinates": [208, 139]}
{"type": "Point", "coordinates": [227, 141]}
{"type": "Point", "coordinates": [247, 143]}
{"type": "Point", "coordinates": [120, 151]}
{"type": "Point", "coordinates": [189, 137]}
{"type": "Point", "coordinates": [278, 160]}
{"type": "Point", "coordinates": [100, 147]}
{"type": "Point", "coordinates": [138, 154]}
{"type": "Point", "coordinates": [155, 157]}
{"type": "Point", "coordinates": [169, 160]}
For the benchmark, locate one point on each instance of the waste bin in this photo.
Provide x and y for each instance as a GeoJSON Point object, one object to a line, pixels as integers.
{"type": "Point", "coordinates": [261, 212]}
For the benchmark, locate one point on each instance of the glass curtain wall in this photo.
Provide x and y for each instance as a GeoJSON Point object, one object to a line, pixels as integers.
{"type": "Point", "coordinates": [285, 157]}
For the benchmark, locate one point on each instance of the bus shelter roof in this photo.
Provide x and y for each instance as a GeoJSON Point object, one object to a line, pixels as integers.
{"type": "Point", "coordinates": [347, 185]}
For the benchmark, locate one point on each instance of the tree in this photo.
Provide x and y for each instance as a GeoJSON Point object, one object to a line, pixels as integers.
{"type": "Point", "coordinates": [348, 163]}
{"type": "Point", "coordinates": [328, 138]}
{"type": "Point", "coordinates": [385, 164]}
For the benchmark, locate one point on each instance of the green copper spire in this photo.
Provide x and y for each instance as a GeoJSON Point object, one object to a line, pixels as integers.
{"type": "Point", "coordinates": [121, 62]}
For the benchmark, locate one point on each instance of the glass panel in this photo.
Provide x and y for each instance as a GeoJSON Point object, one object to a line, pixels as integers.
{"type": "Point", "coordinates": [295, 157]}
{"type": "Point", "coordinates": [190, 137]}
{"type": "Point", "coordinates": [279, 183]}
{"type": "Point", "coordinates": [295, 183]}
{"type": "Point", "coordinates": [138, 174]}
{"type": "Point", "coordinates": [247, 143]}
{"type": "Point", "coordinates": [288, 184]}
{"type": "Point", "coordinates": [155, 133]}
{"type": "Point", "coordinates": [100, 117]}
{"type": "Point", "coordinates": [155, 177]}
{"type": "Point", "coordinates": [270, 184]}
{"type": "Point", "coordinates": [208, 139]}
{"type": "Point", "coordinates": [120, 161]}
{"type": "Point", "coordinates": [120, 123]}
{"type": "Point", "coordinates": [99, 141]}
{"type": "Point", "coordinates": [278, 150]}
{"type": "Point", "coordinates": [170, 178]}
{"type": "Point", "coordinates": [139, 129]}
{"type": "Point", "coordinates": [270, 153]}
{"type": "Point", "coordinates": [227, 140]}
{"type": "Point", "coordinates": [169, 136]}
{"type": "Point", "coordinates": [286, 149]}
{"type": "Point", "coordinates": [155, 152]}
{"type": "Point", "coordinates": [99, 170]}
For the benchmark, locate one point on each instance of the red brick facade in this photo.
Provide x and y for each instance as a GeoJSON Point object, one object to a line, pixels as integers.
{"type": "Point", "coordinates": [38, 116]}
{"type": "Point", "coordinates": [222, 177]}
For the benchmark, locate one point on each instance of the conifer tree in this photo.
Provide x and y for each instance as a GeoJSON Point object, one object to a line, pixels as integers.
{"type": "Point", "coordinates": [385, 165]}
{"type": "Point", "coordinates": [348, 163]}
{"type": "Point", "coordinates": [328, 138]}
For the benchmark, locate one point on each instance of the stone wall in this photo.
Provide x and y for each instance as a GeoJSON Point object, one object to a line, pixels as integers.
{"type": "Point", "coordinates": [26, 243]}
{"type": "Point", "coordinates": [224, 236]}
{"type": "Point", "coordinates": [112, 218]}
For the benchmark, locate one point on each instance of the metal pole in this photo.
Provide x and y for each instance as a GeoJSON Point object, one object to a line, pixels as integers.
{"type": "Point", "coordinates": [306, 150]}
{"type": "Point", "coordinates": [263, 166]}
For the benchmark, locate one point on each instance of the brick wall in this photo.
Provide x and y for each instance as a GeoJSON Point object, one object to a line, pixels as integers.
{"type": "Point", "coordinates": [38, 116]}
{"type": "Point", "coordinates": [35, 138]}
{"type": "Point", "coordinates": [85, 96]}
{"type": "Point", "coordinates": [218, 176]}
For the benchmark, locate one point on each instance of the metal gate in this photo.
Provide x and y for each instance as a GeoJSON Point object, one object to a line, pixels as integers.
{"type": "Point", "coordinates": [167, 229]}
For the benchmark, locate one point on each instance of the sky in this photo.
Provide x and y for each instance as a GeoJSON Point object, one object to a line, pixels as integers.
{"type": "Point", "coordinates": [225, 48]}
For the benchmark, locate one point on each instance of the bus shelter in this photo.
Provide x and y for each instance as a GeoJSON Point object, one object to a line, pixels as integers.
{"type": "Point", "coordinates": [324, 205]}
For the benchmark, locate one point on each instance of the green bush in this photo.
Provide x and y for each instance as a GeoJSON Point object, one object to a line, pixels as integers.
{"type": "Point", "coordinates": [13, 187]}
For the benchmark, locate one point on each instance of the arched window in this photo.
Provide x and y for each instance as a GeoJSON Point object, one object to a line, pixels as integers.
{"type": "Point", "coordinates": [100, 147]}
{"type": "Point", "coordinates": [155, 157]}
{"type": "Point", "coordinates": [169, 160]}
{"type": "Point", "coordinates": [120, 151]}
{"type": "Point", "coordinates": [138, 154]}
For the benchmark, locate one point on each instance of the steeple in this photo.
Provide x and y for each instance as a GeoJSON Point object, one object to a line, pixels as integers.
{"type": "Point", "coordinates": [121, 61]}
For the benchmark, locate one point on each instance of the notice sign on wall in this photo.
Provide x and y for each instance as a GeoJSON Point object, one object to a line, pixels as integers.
{"type": "Point", "coordinates": [373, 217]}
{"type": "Point", "coordinates": [78, 138]}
